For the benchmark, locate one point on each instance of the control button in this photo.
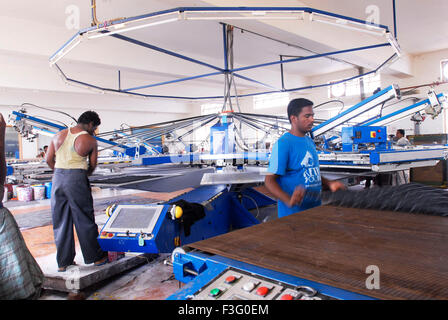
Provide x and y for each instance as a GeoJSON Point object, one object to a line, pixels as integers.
{"type": "Point", "coordinates": [287, 297]}
{"type": "Point", "coordinates": [215, 292]}
{"type": "Point", "coordinates": [249, 286]}
{"type": "Point", "coordinates": [178, 212]}
{"type": "Point", "coordinates": [230, 279]}
{"type": "Point", "coordinates": [262, 291]}
{"type": "Point", "coordinates": [104, 233]}
{"type": "Point", "coordinates": [307, 291]}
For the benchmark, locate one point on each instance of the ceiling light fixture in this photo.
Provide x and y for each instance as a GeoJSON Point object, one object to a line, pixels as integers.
{"type": "Point", "coordinates": [121, 30]}
{"type": "Point", "coordinates": [394, 44]}
{"type": "Point", "coordinates": [347, 24]}
{"type": "Point", "coordinates": [70, 46]}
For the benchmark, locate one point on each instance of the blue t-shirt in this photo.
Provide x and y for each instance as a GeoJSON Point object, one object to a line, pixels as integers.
{"type": "Point", "coordinates": [296, 162]}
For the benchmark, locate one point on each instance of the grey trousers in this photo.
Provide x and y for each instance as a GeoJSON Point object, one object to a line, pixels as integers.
{"type": "Point", "coordinates": [72, 203]}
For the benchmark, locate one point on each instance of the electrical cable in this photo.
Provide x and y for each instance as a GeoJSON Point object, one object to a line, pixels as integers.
{"type": "Point", "coordinates": [33, 105]}
{"type": "Point", "coordinates": [255, 202]}
{"type": "Point", "coordinates": [317, 106]}
{"type": "Point", "coordinates": [50, 119]}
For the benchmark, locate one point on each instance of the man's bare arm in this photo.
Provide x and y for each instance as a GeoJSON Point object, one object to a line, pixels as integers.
{"type": "Point", "coordinates": [50, 155]}
{"type": "Point", "coordinates": [333, 185]}
{"type": "Point", "coordinates": [272, 185]}
{"type": "Point", "coordinates": [93, 157]}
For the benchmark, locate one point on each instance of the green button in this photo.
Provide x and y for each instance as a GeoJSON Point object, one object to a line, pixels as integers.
{"type": "Point", "coordinates": [215, 292]}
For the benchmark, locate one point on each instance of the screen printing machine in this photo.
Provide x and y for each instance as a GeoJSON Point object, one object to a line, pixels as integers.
{"type": "Point", "coordinates": [374, 244]}
{"type": "Point", "coordinates": [352, 247]}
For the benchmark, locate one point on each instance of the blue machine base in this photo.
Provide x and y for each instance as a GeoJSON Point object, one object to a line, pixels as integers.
{"type": "Point", "coordinates": [224, 211]}
{"type": "Point", "coordinates": [209, 267]}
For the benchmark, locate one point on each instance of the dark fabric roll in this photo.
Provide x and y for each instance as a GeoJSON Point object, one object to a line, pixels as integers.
{"type": "Point", "coordinates": [412, 198]}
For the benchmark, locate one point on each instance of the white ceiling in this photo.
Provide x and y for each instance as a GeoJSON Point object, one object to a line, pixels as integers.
{"type": "Point", "coordinates": [32, 32]}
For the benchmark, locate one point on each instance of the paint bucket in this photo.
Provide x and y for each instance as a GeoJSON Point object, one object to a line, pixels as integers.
{"type": "Point", "coordinates": [25, 193]}
{"type": "Point", "coordinates": [112, 255]}
{"type": "Point", "coordinates": [48, 189]}
{"type": "Point", "coordinates": [14, 190]}
{"type": "Point", "coordinates": [39, 192]}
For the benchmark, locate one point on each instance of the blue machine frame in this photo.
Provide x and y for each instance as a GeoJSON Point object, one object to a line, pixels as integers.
{"type": "Point", "coordinates": [208, 267]}
{"type": "Point", "coordinates": [19, 116]}
{"type": "Point", "coordinates": [224, 210]}
{"type": "Point", "coordinates": [352, 137]}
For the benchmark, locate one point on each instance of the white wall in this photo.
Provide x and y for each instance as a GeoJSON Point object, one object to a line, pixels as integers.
{"type": "Point", "coordinates": [113, 110]}
{"type": "Point", "coordinates": [425, 70]}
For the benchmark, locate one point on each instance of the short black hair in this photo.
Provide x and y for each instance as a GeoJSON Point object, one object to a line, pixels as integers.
{"type": "Point", "coordinates": [90, 116]}
{"type": "Point", "coordinates": [295, 106]}
{"type": "Point", "coordinates": [401, 131]}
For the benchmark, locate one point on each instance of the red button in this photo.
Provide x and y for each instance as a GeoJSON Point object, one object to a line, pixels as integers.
{"type": "Point", "coordinates": [230, 279]}
{"type": "Point", "coordinates": [104, 233]}
{"type": "Point", "coordinates": [287, 297]}
{"type": "Point", "coordinates": [262, 291]}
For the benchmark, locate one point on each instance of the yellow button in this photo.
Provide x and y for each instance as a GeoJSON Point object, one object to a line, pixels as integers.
{"type": "Point", "coordinates": [178, 212]}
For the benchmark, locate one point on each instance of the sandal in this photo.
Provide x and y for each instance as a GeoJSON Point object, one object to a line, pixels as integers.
{"type": "Point", "coordinates": [101, 262]}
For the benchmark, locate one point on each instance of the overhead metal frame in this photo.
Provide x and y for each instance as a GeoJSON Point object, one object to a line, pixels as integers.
{"type": "Point", "coordinates": [268, 125]}
{"type": "Point", "coordinates": [113, 28]}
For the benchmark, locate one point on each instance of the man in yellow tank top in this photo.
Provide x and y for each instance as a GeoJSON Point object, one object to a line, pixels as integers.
{"type": "Point", "coordinates": [72, 154]}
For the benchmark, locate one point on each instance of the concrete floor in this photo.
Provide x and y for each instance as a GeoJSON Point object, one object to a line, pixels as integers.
{"type": "Point", "coordinates": [151, 280]}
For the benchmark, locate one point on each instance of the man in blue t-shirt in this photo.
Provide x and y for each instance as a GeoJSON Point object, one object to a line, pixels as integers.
{"type": "Point", "coordinates": [294, 177]}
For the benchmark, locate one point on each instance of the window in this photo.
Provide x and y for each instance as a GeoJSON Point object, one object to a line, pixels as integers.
{"type": "Point", "coordinates": [273, 100]}
{"type": "Point", "coordinates": [371, 83]}
{"type": "Point", "coordinates": [444, 70]}
{"type": "Point", "coordinates": [337, 90]}
{"type": "Point", "coordinates": [210, 108]}
{"type": "Point", "coordinates": [352, 87]}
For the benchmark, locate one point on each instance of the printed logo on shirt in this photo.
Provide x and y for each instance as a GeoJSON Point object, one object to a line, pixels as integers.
{"type": "Point", "coordinates": [308, 160]}
{"type": "Point", "coordinates": [312, 175]}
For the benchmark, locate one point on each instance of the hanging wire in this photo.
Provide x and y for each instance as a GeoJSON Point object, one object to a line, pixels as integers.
{"type": "Point", "coordinates": [36, 106]}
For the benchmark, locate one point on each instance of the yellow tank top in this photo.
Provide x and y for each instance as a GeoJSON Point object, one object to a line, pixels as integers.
{"type": "Point", "coordinates": [66, 155]}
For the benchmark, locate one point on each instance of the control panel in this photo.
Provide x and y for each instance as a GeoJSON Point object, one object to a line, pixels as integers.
{"type": "Point", "coordinates": [354, 137]}
{"type": "Point", "coordinates": [234, 284]}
